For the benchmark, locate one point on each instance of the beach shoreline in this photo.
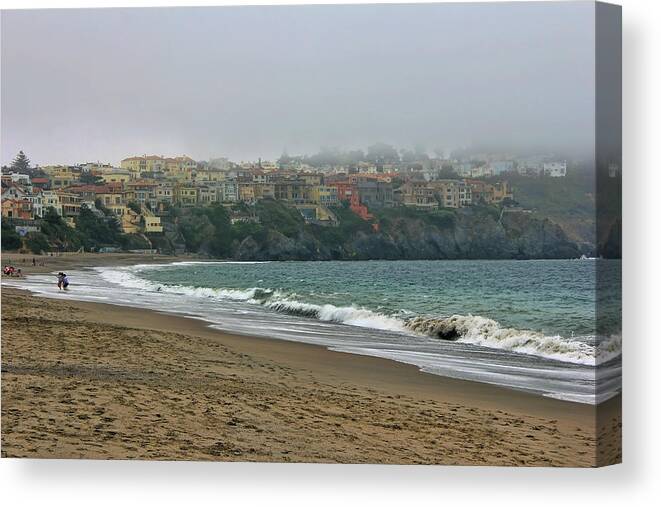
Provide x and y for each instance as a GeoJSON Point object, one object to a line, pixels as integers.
{"type": "Point", "coordinates": [373, 410]}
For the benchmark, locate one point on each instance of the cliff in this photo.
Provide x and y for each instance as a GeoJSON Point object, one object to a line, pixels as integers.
{"type": "Point", "coordinates": [469, 233]}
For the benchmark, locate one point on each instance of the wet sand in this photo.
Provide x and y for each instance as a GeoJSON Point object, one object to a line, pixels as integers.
{"type": "Point", "coordinates": [88, 380]}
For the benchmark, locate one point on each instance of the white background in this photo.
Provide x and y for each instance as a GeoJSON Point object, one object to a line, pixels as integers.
{"type": "Point", "coordinates": [636, 482]}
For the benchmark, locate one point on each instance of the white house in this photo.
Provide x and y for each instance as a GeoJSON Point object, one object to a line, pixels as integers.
{"type": "Point", "coordinates": [555, 169]}
{"type": "Point", "coordinates": [50, 199]}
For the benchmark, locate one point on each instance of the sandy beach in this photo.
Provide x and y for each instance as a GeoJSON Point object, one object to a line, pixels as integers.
{"type": "Point", "coordinates": [88, 380]}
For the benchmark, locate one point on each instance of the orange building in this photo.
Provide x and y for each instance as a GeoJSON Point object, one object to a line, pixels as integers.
{"type": "Point", "coordinates": [345, 190]}
{"type": "Point", "coordinates": [17, 208]}
{"type": "Point", "coordinates": [358, 208]}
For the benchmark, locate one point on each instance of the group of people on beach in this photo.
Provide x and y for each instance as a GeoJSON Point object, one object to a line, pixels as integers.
{"type": "Point", "coordinates": [62, 278]}
{"type": "Point", "coordinates": [11, 271]}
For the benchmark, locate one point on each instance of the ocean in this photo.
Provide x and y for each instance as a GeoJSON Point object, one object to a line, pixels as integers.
{"type": "Point", "coordinates": [526, 325]}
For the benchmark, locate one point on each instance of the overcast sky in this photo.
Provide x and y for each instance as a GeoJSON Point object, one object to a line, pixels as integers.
{"type": "Point", "coordinates": [245, 82]}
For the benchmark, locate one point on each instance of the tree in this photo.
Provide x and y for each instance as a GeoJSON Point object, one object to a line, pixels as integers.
{"type": "Point", "coordinates": [21, 163]}
{"type": "Point", "coordinates": [51, 216]}
{"type": "Point", "coordinates": [381, 153]}
{"type": "Point", "coordinates": [135, 207]}
{"type": "Point", "coordinates": [447, 172]}
{"type": "Point", "coordinates": [90, 179]}
{"type": "Point", "coordinates": [10, 238]}
{"type": "Point", "coordinates": [96, 230]}
{"type": "Point", "coordinates": [37, 242]}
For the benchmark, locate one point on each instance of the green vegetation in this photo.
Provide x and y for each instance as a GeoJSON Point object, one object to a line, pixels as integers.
{"type": "Point", "coordinates": [58, 234]}
{"type": "Point", "coordinates": [90, 179]}
{"type": "Point", "coordinates": [274, 215]}
{"type": "Point", "coordinates": [97, 231]}
{"type": "Point", "coordinates": [93, 230]}
{"type": "Point", "coordinates": [134, 206]}
{"type": "Point", "coordinates": [37, 242]}
{"type": "Point", "coordinates": [10, 238]}
{"type": "Point", "coordinates": [442, 218]}
{"type": "Point", "coordinates": [21, 163]}
{"type": "Point", "coordinates": [568, 201]}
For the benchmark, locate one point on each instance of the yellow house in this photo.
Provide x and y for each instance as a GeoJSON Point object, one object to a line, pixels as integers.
{"type": "Point", "coordinates": [185, 195]}
{"type": "Point", "coordinates": [502, 190]}
{"type": "Point", "coordinates": [264, 190]}
{"type": "Point", "coordinates": [152, 224]}
{"type": "Point", "coordinates": [181, 168]}
{"type": "Point", "coordinates": [116, 176]}
{"type": "Point", "coordinates": [149, 222]}
{"type": "Point", "coordinates": [146, 163]}
{"type": "Point", "coordinates": [324, 195]}
{"type": "Point", "coordinates": [60, 176]}
{"type": "Point", "coordinates": [246, 192]}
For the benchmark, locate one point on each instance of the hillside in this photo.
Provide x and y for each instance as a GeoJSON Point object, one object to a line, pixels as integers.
{"type": "Point", "coordinates": [471, 233]}
{"type": "Point", "coordinates": [570, 202]}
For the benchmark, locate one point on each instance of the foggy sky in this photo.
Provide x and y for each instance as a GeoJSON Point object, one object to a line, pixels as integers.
{"type": "Point", "coordinates": [248, 82]}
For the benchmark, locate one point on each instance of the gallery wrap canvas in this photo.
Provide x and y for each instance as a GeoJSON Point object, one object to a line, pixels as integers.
{"type": "Point", "coordinates": [385, 234]}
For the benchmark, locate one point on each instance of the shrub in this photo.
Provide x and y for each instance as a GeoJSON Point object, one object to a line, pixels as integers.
{"type": "Point", "coordinates": [37, 242]}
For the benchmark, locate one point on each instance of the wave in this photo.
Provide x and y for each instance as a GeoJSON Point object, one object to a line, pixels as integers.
{"type": "Point", "coordinates": [486, 332]}
{"type": "Point", "coordinates": [475, 330]}
{"type": "Point", "coordinates": [341, 314]}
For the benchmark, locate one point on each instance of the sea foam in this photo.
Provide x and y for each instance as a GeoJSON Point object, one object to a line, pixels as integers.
{"type": "Point", "coordinates": [471, 329]}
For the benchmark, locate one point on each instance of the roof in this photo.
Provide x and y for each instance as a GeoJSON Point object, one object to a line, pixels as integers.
{"type": "Point", "coordinates": [97, 189]}
{"type": "Point", "coordinates": [144, 157]}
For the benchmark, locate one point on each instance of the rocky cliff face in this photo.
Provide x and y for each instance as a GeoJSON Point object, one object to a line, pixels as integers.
{"type": "Point", "coordinates": [472, 234]}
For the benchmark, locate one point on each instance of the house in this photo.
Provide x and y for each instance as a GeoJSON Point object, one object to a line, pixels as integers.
{"type": "Point", "coordinates": [375, 194]}
{"type": "Point", "coordinates": [344, 189]}
{"type": "Point", "coordinates": [143, 192]}
{"type": "Point", "coordinates": [43, 183]}
{"type": "Point", "coordinates": [264, 190]}
{"type": "Point", "coordinates": [146, 163]}
{"type": "Point", "coordinates": [452, 193]}
{"type": "Point", "coordinates": [185, 195]}
{"type": "Point", "coordinates": [51, 199]}
{"type": "Point", "coordinates": [246, 192]}
{"type": "Point", "coordinates": [326, 195]}
{"type": "Point", "coordinates": [19, 178]}
{"type": "Point", "coordinates": [207, 194]}
{"type": "Point", "coordinates": [501, 166]}
{"type": "Point", "coordinates": [181, 168]}
{"type": "Point", "coordinates": [555, 169]}
{"type": "Point", "coordinates": [17, 208]}
{"type": "Point", "coordinates": [70, 203]}
{"type": "Point", "coordinates": [501, 191]}
{"type": "Point", "coordinates": [115, 175]}
{"type": "Point", "coordinates": [14, 191]}
{"type": "Point", "coordinates": [85, 192]}
{"type": "Point", "coordinates": [481, 191]}
{"type": "Point", "coordinates": [228, 191]}
{"type": "Point", "coordinates": [36, 198]}
{"type": "Point", "coordinates": [150, 222]}
{"type": "Point", "coordinates": [481, 171]}
{"type": "Point", "coordinates": [294, 191]}
{"type": "Point", "coordinates": [164, 193]}
{"type": "Point", "coordinates": [418, 194]}
{"type": "Point", "coordinates": [62, 178]}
